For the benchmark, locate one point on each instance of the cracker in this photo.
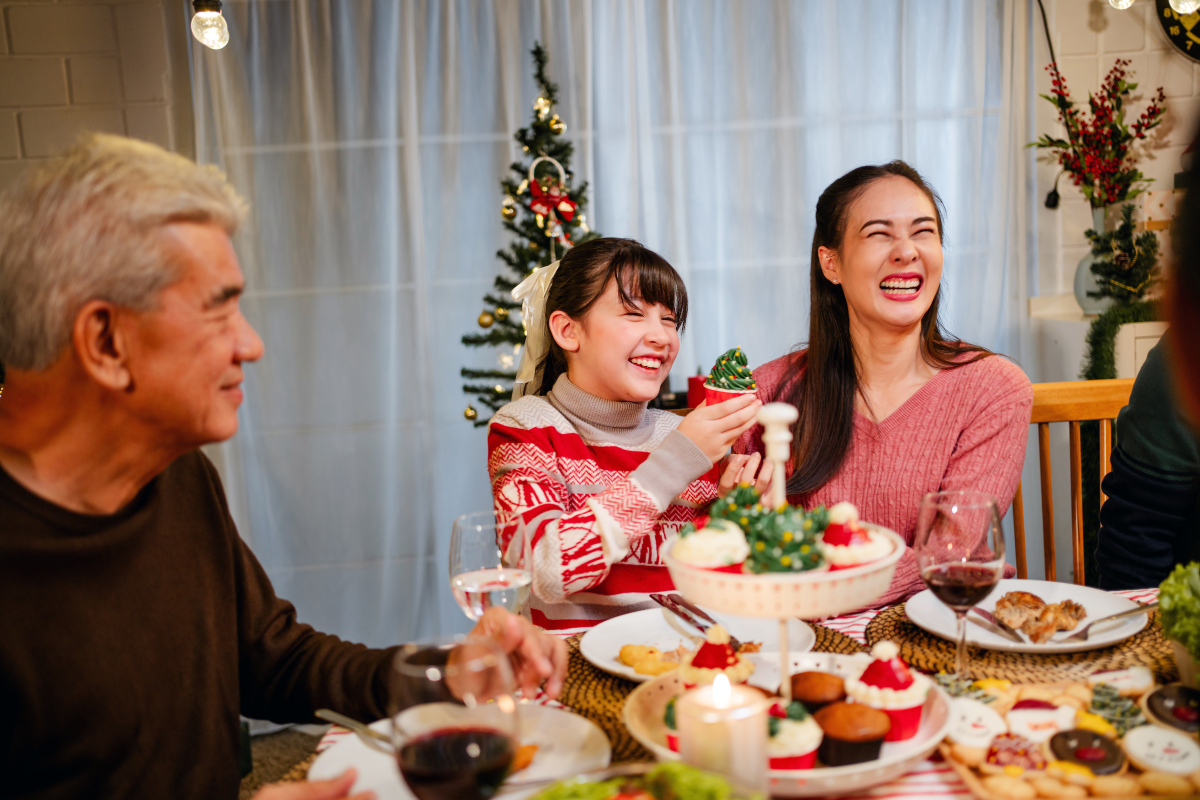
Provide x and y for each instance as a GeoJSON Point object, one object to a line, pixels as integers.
{"type": "Point", "coordinates": [1051, 788]}
{"type": "Point", "coordinates": [1165, 783]}
{"type": "Point", "coordinates": [1009, 788]}
{"type": "Point", "coordinates": [1116, 786]}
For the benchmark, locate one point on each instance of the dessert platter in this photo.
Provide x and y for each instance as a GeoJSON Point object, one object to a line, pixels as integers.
{"type": "Point", "coordinates": [644, 644]}
{"type": "Point", "coordinates": [853, 721]}
{"type": "Point", "coordinates": [1044, 614]}
{"type": "Point", "coordinates": [1117, 734]}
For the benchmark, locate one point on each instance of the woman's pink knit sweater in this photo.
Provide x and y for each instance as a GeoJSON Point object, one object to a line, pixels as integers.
{"type": "Point", "coordinates": [965, 429]}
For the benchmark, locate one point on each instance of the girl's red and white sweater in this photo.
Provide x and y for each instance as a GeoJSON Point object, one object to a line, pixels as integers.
{"type": "Point", "coordinates": [598, 486]}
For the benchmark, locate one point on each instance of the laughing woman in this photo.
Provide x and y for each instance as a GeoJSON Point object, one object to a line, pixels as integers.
{"type": "Point", "coordinates": [889, 407]}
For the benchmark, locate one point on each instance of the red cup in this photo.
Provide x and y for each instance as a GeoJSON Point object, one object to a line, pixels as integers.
{"type": "Point", "coordinates": [696, 390]}
{"type": "Point", "coordinates": [734, 569]}
{"type": "Point", "coordinates": [806, 761]}
{"type": "Point", "coordinates": [714, 395]}
{"type": "Point", "coordinates": [905, 722]}
{"type": "Point", "coordinates": [673, 741]}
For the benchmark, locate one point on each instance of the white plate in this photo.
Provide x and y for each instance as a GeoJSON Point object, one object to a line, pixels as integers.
{"type": "Point", "coordinates": [567, 745]}
{"type": "Point", "coordinates": [643, 714]}
{"type": "Point", "coordinates": [927, 612]}
{"type": "Point", "coordinates": [603, 643]}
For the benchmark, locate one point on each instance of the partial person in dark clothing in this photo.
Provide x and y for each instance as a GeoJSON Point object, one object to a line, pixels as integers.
{"type": "Point", "coordinates": [135, 624]}
{"type": "Point", "coordinates": [1151, 520]}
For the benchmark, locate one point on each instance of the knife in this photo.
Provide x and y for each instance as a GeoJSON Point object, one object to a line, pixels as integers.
{"type": "Point", "coordinates": [691, 614]}
{"type": "Point", "coordinates": [995, 625]}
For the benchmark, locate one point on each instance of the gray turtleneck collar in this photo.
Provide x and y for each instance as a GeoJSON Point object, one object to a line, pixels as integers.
{"type": "Point", "coordinates": [600, 421]}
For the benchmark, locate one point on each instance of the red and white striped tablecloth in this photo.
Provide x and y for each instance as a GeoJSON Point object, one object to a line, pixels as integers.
{"type": "Point", "coordinates": [929, 779]}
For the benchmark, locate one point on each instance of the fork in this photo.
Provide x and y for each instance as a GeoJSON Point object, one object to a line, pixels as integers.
{"type": "Point", "coordinates": [1082, 636]}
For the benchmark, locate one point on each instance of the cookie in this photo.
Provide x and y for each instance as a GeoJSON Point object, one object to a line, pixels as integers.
{"type": "Point", "coordinates": [1038, 720]}
{"type": "Point", "coordinates": [1080, 691]}
{"type": "Point", "coordinates": [1154, 749]}
{"type": "Point", "coordinates": [1096, 724]}
{"type": "Point", "coordinates": [1099, 754]}
{"type": "Point", "coordinates": [646, 660]}
{"type": "Point", "coordinates": [1116, 786]}
{"type": "Point", "coordinates": [1165, 783]}
{"type": "Point", "coordinates": [969, 756]}
{"type": "Point", "coordinates": [1008, 787]}
{"type": "Point", "coordinates": [1132, 682]}
{"type": "Point", "coordinates": [973, 723]}
{"type": "Point", "coordinates": [1195, 779]}
{"type": "Point", "coordinates": [1068, 772]}
{"type": "Point", "coordinates": [1174, 706]}
{"type": "Point", "coordinates": [1051, 788]}
{"type": "Point", "coordinates": [1009, 752]}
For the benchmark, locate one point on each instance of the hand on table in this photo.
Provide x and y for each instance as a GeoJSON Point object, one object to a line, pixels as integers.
{"type": "Point", "coordinates": [537, 656]}
{"type": "Point", "coordinates": [743, 469]}
{"type": "Point", "coordinates": [714, 428]}
{"type": "Point", "coordinates": [334, 789]}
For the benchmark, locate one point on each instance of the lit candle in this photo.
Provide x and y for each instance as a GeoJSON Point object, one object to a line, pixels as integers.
{"type": "Point", "coordinates": [723, 729]}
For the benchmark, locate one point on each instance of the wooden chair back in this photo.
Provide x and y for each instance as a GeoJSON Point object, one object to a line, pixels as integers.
{"type": "Point", "coordinates": [1071, 402]}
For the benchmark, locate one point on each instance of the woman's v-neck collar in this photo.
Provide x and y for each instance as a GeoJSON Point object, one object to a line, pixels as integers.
{"type": "Point", "coordinates": [906, 409]}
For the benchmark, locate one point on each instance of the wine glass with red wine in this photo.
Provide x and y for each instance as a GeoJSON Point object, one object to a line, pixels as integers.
{"type": "Point", "coordinates": [454, 720]}
{"type": "Point", "coordinates": [959, 546]}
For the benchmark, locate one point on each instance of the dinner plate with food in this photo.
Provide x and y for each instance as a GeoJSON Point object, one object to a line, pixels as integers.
{"type": "Point", "coordinates": [644, 644]}
{"type": "Point", "coordinates": [1033, 617]}
{"type": "Point", "coordinates": [554, 744]}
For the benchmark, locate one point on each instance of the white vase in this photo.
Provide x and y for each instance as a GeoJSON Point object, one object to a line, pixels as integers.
{"type": "Point", "coordinates": [1085, 279]}
{"type": "Point", "coordinates": [1186, 664]}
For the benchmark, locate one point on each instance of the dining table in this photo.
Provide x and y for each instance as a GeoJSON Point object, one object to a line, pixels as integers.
{"type": "Point", "coordinates": [599, 698]}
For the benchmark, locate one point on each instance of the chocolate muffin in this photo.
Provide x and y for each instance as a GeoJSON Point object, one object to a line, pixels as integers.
{"type": "Point", "coordinates": [854, 733]}
{"type": "Point", "coordinates": [817, 689]}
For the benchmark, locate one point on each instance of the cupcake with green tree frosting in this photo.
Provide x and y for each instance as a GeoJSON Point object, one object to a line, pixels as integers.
{"type": "Point", "coordinates": [729, 377]}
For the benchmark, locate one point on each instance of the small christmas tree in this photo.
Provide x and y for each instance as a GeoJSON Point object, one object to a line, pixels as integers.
{"type": "Point", "coordinates": [546, 217]}
{"type": "Point", "coordinates": [1125, 264]}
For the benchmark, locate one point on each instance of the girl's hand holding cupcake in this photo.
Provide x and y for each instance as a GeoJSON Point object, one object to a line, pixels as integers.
{"type": "Point", "coordinates": [715, 428]}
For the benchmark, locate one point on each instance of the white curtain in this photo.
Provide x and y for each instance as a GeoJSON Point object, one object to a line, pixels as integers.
{"type": "Point", "coordinates": [369, 136]}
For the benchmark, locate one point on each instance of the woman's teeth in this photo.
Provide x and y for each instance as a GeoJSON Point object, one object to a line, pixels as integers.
{"type": "Point", "coordinates": [906, 286]}
{"type": "Point", "coordinates": [648, 363]}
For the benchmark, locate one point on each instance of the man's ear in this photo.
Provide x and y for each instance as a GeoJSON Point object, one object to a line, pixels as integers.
{"type": "Point", "coordinates": [565, 331]}
{"type": "Point", "coordinates": [101, 345]}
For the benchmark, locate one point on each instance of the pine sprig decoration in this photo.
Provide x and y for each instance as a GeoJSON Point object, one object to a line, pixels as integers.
{"type": "Point", "coordinates": [532, 244]}
{"type": "Point", "coordinates": [1126, 263]}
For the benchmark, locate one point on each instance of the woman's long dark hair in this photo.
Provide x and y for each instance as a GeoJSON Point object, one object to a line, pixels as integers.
{"type": "Point", "coordinates": [583, 276]}
{"type": "Point", "coordinates": [823, 380]}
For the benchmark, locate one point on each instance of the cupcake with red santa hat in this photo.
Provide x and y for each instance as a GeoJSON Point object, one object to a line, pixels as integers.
{"type": "Point", "coordinates": [715, 657]}
{"type": "Point", "coordinates": [847, 544]}
{"type": "Point", "coordinates": [889, 685]}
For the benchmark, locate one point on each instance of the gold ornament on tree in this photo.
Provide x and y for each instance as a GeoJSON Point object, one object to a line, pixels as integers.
{"type": "Point", "coordinates": [508, 207]}
{"type": "Point", "coordinates": [557, 126]}
{"type": "Point", "coordinates": [500, 314]}
{"type": "Point", "coordinates": [470, 413]}
{"type": "Point", "coordinates": [486, 319]}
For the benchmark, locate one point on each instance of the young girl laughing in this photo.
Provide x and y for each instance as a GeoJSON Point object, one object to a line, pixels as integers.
{"type": "Point", "coordinates": [579, 465]}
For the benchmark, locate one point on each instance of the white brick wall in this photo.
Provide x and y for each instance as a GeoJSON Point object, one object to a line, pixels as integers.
{"type": "Point", "coordinates": [73, 66]}
{"type": "Point", "coordinates": [1089, 35]}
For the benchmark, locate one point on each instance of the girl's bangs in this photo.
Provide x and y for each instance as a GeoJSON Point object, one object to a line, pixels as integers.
{"type": "Point", "coordinates": [649, 277]}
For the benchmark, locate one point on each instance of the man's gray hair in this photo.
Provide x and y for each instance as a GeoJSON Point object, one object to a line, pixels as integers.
{"type": "Point", "coordinates": [86, 226]}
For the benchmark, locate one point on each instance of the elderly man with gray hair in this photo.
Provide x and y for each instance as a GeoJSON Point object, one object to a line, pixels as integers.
{"type": "Point", "coordinates": [135, 624]}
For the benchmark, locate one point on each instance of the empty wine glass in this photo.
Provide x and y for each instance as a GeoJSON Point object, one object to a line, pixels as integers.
{"type": "Point", "coordinates": [959, 546]}
{"type": "Point", "coordinates": [480, 575]}
{"type": "Point", "coordinates": [454, 717]}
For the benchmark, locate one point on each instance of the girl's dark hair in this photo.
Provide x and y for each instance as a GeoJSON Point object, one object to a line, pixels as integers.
{"type": "Point", "coordinates": [583, 275]}
{"type": "Point", "coordinates": [822, 381]}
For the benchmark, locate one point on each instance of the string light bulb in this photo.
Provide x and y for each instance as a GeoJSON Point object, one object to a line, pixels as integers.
{"type": "Point", "coordinates": [208, 24]}
{"type": "Point", "coordinates": [1120, 5]}
{"type": "Point", "coordinates": [1185, 6]}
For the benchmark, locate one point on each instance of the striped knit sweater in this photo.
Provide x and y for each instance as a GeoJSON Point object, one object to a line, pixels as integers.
{"type": "Point", "coordinates": [598, 486]}
{"type": "Point", "coordinates": [964, 429]}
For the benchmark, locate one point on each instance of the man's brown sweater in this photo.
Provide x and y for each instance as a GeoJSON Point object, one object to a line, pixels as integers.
{"type": "Point", "coordinates": [130, 642]}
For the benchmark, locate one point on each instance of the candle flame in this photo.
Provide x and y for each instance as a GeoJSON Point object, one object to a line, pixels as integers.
{"type": "Point", "coordinates": [721, 692]}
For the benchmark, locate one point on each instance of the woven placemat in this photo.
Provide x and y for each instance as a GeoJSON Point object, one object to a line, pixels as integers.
{"type": "Point", "coordinates": [600, 696]}
{"type": "Point", "coordinates": [934, 654]}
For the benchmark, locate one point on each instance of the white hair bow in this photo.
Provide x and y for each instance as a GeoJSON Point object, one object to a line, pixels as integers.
{"type": "Point", "coordinates": [531, 294]}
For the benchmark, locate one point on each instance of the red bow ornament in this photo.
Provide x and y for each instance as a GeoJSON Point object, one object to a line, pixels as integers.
{"type": "Point", "coordinates": [551, 199]}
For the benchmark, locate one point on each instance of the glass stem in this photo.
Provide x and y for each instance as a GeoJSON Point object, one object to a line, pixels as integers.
{"type": "Point", "coordinates": [961, 656]}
